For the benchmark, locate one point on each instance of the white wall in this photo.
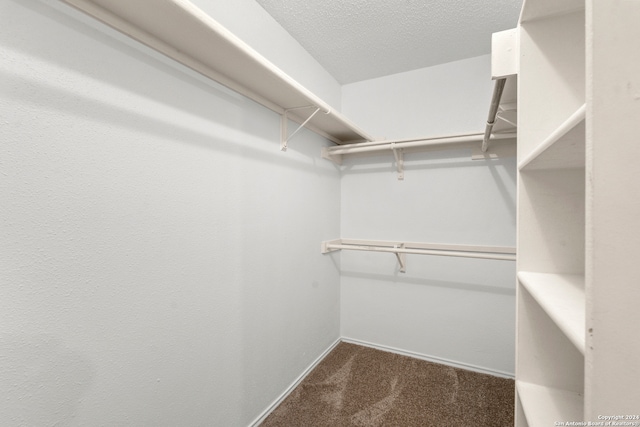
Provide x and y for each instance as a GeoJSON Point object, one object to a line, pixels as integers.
{"type": "Point", "coordinates": [440, 100]}
{"type": "Point", "coordinates": [460, 310]}
{"type": "Point", "coordinates": [252, 24]}
{"type": "Point", "coordinates": [157, 266]}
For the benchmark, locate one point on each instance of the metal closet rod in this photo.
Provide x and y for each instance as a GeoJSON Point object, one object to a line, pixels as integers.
{"type": "Point", "coordinates": [498, 88]}
{"type": "Point", "coordinates": [411, 143]}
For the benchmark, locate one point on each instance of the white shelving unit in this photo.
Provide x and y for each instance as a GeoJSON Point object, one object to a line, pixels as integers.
{"type": "Point", "coordinates": [551, 214]}
{"type": "Point", "coordinates": [578, 212]}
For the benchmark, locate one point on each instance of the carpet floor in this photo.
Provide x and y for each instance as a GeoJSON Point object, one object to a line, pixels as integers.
{"type": "Point", "coordinates": [361, 386]}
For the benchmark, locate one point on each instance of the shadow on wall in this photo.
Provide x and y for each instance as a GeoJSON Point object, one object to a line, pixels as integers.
{"type": "Point", "coordinates": [41, 380]}
{"type": "Point", "coordinates": [503, 187]}
{"type": "Point", "coordinates": [85, 32]}
{"type": "Point", "coordinates": [426, 158]}
{"type": "Point", "coordinates": [222, 137]}
{"type": "Point", "coordinates": [502, 170]}
{"type": "Point", "coordinates": [475, 287]}
{"type": "Point", "coordinates": [202, 113]}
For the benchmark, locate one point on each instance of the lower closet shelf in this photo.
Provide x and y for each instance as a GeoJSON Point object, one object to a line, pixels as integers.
{"type": "Point", "coordinates": [543, 406]}
{"type": "Point", "coordinates": [562, 297]}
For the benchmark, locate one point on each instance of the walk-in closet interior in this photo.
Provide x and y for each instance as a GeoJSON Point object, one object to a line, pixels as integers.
{"type": "Point", "coordinates": [203, 200]}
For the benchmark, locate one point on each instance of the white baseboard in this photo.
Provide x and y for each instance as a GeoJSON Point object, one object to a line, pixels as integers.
{"type": "Point", "coordinates": [433, 359]}
{"type": "Point", "coordinates": [292, 386]}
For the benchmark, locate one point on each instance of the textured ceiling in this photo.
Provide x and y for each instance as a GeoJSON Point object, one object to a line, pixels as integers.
{"type": "Point", "coordinates": [362, 39]}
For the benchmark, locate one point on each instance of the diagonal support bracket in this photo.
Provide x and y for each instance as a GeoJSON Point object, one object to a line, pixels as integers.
{"type": "Point", "coordinates": [501, 116]}
{"type": "Point", "coordinates": [399, 155]}
{"type": "Point", "coordinates": [284, 138]}
{"type": "Point", "coordinates": [402, 258]}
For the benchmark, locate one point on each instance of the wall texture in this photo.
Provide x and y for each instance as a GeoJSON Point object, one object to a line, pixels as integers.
{"type": "Point", "coordinates": [160, 256]}
{"type": "Point", "coordinates": [460, 310]}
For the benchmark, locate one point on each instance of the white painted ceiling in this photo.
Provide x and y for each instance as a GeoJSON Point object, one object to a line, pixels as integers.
{"type": "Point", "coordinates": [362, 39]}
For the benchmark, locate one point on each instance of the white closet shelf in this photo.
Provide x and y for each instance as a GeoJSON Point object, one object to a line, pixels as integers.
{"type": "Point", "coordinates": [184, 33]}
{"type": "Point", "coordinates": [562, 297]}
{"type": "Point", "coordinates": [538, 9]}
{"type": "Point", "coordinates": [507, 117]}
{"type": "Point", "coordinates": [543, 406]}
{"type": "Point", "coordinates": [564, 148]}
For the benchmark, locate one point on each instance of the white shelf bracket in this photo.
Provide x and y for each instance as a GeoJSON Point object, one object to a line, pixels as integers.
{"type": "Point", "coordinates": [325, 246]}
{"type": "Point", "coordinates": [399, 155]}
{"type": "Point", "coordinates": [402, 258]}
{"type": "Point", "coordinates": [335, 158]}
{"type": "Point", "coordinates": [284, 139]}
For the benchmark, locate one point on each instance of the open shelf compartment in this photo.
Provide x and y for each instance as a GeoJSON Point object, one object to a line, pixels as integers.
{"type": "Point", "coordinates": [544, 406]}
{"type": "Point", "coordinates": [563, 148]}
{"type": "Point", "coordinates": [562, 297]}
{"type": "Point", "coordinates": [539, 9]}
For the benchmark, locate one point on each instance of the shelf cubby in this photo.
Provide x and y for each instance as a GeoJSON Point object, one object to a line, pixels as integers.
{"type": "Point", "coordinates": [563, 148]}
{"type": "Point", "coordinates": [544, 406]}
{"type": "Point", "coordinates": [538, 9]}
{"type": "Point", "coordinates": [551, 227]}
{"type": "Point", "coordinates": [562, 297]}
{"type": "Point", "coordinates": [551, 78]}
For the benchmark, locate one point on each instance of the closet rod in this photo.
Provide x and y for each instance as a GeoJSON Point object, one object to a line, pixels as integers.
{"type": "Point", "coordinates": [483, 255]}
{"type": "Point", "coordinates": [465, 251]}
{"type": "Point", "coordinates": [410, 143]}
{"type": "Point", "coordinates": [498, 88]}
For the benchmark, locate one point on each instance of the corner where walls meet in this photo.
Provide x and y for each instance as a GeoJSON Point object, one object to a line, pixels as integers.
{"type": "Point", "coordinates": [456, 310]}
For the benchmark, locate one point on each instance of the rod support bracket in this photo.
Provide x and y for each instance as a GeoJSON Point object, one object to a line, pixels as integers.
{"type": "Point", "coordinates": [335, 158]}
{"type": "Point", "coordinates": [284, 137]}
{"type": "Point", "coordinates": [325, 246]}
{"type": "Point", "coordinates": [399, 155]}
{"type": "Point", "coordinates": [402, 258]}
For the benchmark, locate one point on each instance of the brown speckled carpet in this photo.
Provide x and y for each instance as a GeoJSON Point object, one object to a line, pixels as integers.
{"type": "Point", "coordinates": [361, 386]}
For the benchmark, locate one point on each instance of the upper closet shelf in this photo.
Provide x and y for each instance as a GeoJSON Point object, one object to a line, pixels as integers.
{"type": "Point", "coordinates": [532, 10]}
{"type": "Point", "coordinates": [503, 110]}
{"type": "Point", "coordinates": [183, 32]}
